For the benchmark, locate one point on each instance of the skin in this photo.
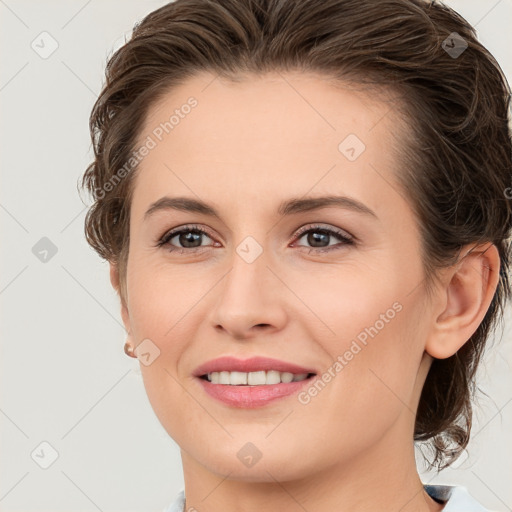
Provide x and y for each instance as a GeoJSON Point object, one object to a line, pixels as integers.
{"type": "Point", "coordinates": [244, 149]}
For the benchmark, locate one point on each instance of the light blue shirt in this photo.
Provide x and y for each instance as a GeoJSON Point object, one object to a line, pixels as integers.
{"type": "Point", "coordinates": [455, 497]}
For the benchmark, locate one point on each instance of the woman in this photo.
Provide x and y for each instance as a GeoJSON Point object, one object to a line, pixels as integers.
{"type": "Point", "coordinates": [306, 210]}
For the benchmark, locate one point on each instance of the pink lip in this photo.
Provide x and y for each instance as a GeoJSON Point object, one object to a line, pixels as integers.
{"type": "Point", "coordinates": [251, 397]}
{"type": "Point", "coordinates": [253, 364]}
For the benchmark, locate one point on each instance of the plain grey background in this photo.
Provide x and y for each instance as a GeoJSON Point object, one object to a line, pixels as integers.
{"type": "Point", "coordinates": [65, 380]}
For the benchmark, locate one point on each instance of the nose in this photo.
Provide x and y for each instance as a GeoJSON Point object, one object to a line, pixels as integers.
{"type": "Point", "coordinates": [249, 300]}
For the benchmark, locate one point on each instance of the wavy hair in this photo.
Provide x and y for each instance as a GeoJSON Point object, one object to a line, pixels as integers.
{"type": "Point", "coordinates": [456, 161]}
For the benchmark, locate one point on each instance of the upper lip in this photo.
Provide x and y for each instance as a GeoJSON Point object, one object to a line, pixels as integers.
{"type": "Point", "coordinates": [253, 364]}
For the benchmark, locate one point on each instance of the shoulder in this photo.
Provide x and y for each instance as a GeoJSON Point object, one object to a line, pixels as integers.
{"type": "Point", "coordinates": [455, 497]}
{"type": "Point", "coordinates": [178, 505]}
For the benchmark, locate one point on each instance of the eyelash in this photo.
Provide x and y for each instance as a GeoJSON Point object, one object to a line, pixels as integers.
{"type": "Point", "coordinates": [167, 237]}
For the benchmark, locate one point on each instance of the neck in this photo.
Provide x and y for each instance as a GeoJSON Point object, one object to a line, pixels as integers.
{"type": "Point", "coordinates": [382, 478]}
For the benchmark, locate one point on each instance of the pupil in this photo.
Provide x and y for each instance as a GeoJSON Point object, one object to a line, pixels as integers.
{"type": "Point", "coordinates": [189, 238]}
{"type": "Point", "coordinates": [317, 236]}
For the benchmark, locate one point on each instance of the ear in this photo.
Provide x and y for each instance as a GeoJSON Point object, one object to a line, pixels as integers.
{"type": "Point", "coordinates": [114, 279]}
{"type": "Point", "coordinates": [467, 291]}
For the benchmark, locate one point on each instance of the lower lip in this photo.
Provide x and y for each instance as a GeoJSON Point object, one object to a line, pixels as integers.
{"type": "Point", "coordinates": [250, 397]}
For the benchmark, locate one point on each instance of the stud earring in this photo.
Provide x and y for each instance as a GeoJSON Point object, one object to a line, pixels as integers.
{"type": "Point", "coordinates": [128, 350]}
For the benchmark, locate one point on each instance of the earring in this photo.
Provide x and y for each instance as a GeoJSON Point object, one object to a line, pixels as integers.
{"type": "Point", "coordinates": [128, 350]}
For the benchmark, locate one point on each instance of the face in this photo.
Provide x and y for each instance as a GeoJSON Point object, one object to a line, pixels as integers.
{"type": "Point", "coordinates": [333, 287]}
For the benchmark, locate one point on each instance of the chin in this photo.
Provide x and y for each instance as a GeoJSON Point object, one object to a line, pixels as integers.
{"type": "Point", "coordinates": [248, 462]}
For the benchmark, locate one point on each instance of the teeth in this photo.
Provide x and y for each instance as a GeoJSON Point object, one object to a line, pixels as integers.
{"type": "Point", "coordinates": [254, 378]}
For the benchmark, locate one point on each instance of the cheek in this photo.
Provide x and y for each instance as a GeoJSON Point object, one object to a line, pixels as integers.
{"type": "Point", "coordinates": [348, 303]}
{"type": "Point", "coordinates": [373, 344]}
{"type": "Point", "coordinates": [162, 298]}
{"type": "Point", "coordinates": [352, 312]}
{"type": "Point", "coordinates": [371, 388]}
{"type": "Point", "coordinates": [155, 309]}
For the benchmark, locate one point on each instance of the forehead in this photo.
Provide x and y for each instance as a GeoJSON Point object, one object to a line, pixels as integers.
{"type": "Point", "coordinates": [266, 135]}
{"type": "Point", "coordinates": [300, 105]}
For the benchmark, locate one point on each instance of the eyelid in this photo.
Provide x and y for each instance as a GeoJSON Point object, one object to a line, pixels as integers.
{"type": "Point", "coordinates": [171, 233]}
{"type": "Point", "coordinates": [345, 237]}
{"type": "Point", "coordinates": [325, 227]}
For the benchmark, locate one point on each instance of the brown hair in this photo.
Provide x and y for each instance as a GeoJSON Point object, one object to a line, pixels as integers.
{"type": "Point", "coordinates": [456, 162]}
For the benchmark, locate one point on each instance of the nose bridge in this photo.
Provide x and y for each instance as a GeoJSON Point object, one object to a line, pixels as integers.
{"type": "Point", "coordinates": [248, 297]}
{"type": "Point", "coordinates": [245, 283]}
{"type": "Point", "coordinates": [249, 258]}
{"type": "Point", "coordinates": [249, 267]}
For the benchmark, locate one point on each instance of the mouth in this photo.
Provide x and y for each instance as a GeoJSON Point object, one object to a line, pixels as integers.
{"type": "Point", "coordinates": [259, 378]}
{"type": "Point", "coordinates": [253, 390]}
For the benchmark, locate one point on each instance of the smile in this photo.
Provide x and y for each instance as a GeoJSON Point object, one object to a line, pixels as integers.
{"type": "Point", "coordinates": [259, 378]}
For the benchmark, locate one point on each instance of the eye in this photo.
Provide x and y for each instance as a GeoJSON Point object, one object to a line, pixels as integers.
{"type": "Point", "coordinates": [189, 237]}
{"type": "Point", "coordinates": [319, 236]}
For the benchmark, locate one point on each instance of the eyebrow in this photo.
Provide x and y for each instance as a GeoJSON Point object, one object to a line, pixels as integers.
{"type": "Point", "coordinates": [289, 207]}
